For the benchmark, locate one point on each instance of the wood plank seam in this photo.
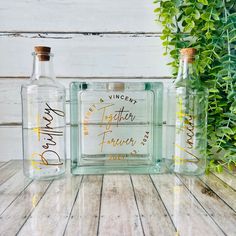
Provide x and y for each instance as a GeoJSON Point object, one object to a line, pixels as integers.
{"type": "Point", "coordinates": [164, 205]}
{"type": "Point", "coordinates": [233, 173]}
{"type": "Point", "coordinates": [30, 213]}
{"type": "Point", "coordinates": [100, 206]}
{"type": "Point", "coordinates": [200, 204]}
{"type": "Point", "coordinates": [135, 199]}
{"type": "Point", "coordinates": [218, 194]}
{"type": "Point", "coordinates": [3, 124]}
{"type": "Point", "coordinates": [73, 205]}
{"type": "Point", "coordinates": [223, 180]}
{"type": "Point", "coordinates": [152, 78]}
{"type": "Point", "coordinates": [16, 197]}
{"type": "Point", "coordinates": [12, 174]}
{"type": "Point", "coordinates": [12, 124]}
{"type": "Point", "coordinates": [40, 33]}
{"type": "Point", "coordinates": [52, 35]}
{"type": "Point", "coordinates": [3, 164]}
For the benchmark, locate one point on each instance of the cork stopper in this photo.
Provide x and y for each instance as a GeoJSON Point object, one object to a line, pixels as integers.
{"type": "Point", "coordinates": [188, 53]}
{"type": "Point", "coordinates": [42, 52]}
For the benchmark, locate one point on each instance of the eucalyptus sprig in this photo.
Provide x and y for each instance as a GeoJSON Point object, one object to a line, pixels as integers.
{"type": "Point", "coordinates": [210, 27]}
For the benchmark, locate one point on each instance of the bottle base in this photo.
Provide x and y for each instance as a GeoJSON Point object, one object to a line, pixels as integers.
{"type": "Point", "coordinates": [52, 177]}
{"type": "Point", "coordinates": [45, 177]}
{"type": "Point", "coordinates": [188, 169]}
{"type": "Point", "coordinates": [157, 168]}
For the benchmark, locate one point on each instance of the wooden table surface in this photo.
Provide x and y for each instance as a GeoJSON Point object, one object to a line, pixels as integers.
{"type": "Point", "coordinates": [116, 204]}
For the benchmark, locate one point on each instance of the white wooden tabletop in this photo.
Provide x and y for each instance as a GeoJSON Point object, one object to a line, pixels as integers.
{"type": "Point", "coordinates": [116, 204]}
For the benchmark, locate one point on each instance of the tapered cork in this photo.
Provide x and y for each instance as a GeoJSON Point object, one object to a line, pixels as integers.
{"type": "Point", "coordinates": [188, 53]}
{"type": "Point", "coordinates": [43, 53]}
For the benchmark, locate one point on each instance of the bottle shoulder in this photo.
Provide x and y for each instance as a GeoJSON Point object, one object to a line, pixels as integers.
{"type": "Point", "coordinates": [43, 83]}
{"type": "Point", "coordinates": [190, 84]}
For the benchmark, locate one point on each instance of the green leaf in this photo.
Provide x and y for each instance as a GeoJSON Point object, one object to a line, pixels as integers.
{"type": "Point", "coordinates": [233, 39]}
{"type": "Point", "coordinates": [165, 43]}
{"type": "Point", "coordinates": [228, 26]}
{"type": "Point", "coordinates": [157, 9]}
{"type": "Point", "coordinates": [204, 2]}
{"type": "Point", "coordinates": [213, 90]}
{"type": "Point", "coordinates": [231, 95]}
{"type": "Point", "coordinates": [189, 25]}
{"type": "Point", "coordinates": [230, 115]}
{"type": "Point", "coordinates": [189, 10]}
{"type": "Point", "coordinates": [215, 16]}
{"type": "Point", "coordinates": [208, 35]}
{"type": "Point", "coordinates": [233, 107]}
{"type": "Point", "coordinates": [226, 78]}
{"type": "Point", "coordinates": [196, 14]}
{"type": "Point", "coordinates": [209, 25]}
{"type": "Point", "coordinates": [163, 37]}
{"type": "Point", "coordinates": [226, 130]}
{"type": "Point", "coordinates": [219, 168]}
{"type": "Point", "coordinates": [206, 16]}
{"type": "Point", "coordinates": [168, 4]}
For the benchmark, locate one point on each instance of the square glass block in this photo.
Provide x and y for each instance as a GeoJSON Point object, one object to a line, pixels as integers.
{"type": "Point", "coordinates": [116, 127]}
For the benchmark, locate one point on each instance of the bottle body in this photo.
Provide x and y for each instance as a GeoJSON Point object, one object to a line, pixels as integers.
{"type": "Point", "coordinates": [43, 127]}
{"type": "Point", "coordinates": [188, 122]}
{"type": "Point", "coordinates": [191, 132]}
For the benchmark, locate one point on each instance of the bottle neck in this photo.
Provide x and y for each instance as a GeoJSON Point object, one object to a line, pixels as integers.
{"type": "Point", "coordinates": [42, 68]}
{"type": "Point", "coordinates": [186, 69]}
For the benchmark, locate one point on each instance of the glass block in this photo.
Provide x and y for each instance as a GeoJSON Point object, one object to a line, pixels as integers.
{"type": "Point", "coordinates": [116, 127]}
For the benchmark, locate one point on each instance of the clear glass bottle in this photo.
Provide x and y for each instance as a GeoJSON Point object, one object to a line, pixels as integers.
{"type": "Point", "coordinates": [187, 119]}
{"type": "Point", "coordinates": [116, 127]}
{"type": "Point", "coordinates": [43, 120]}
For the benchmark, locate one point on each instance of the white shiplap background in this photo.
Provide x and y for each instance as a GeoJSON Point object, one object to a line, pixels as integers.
{"type": "Point", "coordinates": [96, 38]}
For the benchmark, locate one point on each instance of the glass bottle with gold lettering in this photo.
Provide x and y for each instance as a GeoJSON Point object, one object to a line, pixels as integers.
{"type": "Point", "coordinates": [43, 120]}
{"type": "Point", "coordinates": [187, 119]}
{"type": "Point", "coordinates": [116, 127]}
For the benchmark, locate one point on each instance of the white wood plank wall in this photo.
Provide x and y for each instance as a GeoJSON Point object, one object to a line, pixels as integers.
{"type": "Point", "coordinates": [97, 38]}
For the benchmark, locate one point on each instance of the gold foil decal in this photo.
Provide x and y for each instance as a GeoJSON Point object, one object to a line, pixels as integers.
{"type": "Point", "coordinates": [49, 134]}
{"type": "Point", "coordinates": [110, 121]}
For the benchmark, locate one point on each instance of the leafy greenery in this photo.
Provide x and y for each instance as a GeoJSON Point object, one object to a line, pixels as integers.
{"type": "Point", "coordinates": [210, 27]}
